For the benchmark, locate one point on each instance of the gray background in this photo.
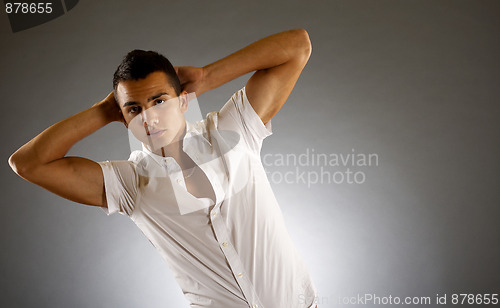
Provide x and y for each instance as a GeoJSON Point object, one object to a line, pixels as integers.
{"type": "Point", "coordinates": [416, 82]}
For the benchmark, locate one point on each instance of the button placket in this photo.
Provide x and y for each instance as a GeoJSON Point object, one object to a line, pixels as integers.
{"type": "Point", "coordinates": [232, 257]}
{"type": "Point", "coordinates": [174, 171]}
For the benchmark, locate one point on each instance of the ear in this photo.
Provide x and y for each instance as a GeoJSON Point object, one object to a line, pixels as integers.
{"type": "Point", "coordinates": [183, 101]}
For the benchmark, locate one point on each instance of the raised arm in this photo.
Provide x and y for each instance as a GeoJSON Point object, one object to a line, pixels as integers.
{"type": "Point", "coordinates": [278, 61]}
{"type": "Point", "coordinates": [42, 160]}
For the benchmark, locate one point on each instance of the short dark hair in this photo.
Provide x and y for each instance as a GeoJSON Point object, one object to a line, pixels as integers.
{"type": "Point", "coordinates": [138, 64]}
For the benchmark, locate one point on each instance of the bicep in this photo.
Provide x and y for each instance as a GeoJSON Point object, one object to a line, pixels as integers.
{"type": "Point", "coordinates": [75, 178]}
{"type": "Point", "coordinates": [268, 89]}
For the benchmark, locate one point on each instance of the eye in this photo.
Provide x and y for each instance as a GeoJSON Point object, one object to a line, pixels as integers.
{"type": "Point", "coordinates": [134, 110]}
{"type": "Point", "coordinates": [159, 101]}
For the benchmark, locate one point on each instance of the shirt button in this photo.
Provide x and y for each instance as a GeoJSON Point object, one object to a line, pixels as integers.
{"type": "Point", "coordinates": [255, 306]}
{"type": "Point", "coordinates": [179, 181]}
{"type": "Point", "coordinates": [214, 213]}
{"type": "Point", "coordinates": [225, 244]}
{"type": "Point", "coordinates": [240, 275]}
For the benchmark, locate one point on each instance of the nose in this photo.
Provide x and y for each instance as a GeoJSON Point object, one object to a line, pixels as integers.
{"type": "Point", "coordinates": [150, 117]}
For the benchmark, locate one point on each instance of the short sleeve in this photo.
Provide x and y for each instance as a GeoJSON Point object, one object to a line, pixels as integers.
{"type": "Point", "coordinates": [238, 115]}
{"type": "Point", "coordinates": [120, 184]}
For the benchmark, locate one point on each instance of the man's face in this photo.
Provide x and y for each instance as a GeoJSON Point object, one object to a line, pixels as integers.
{"type": "Point", "coordinates": [152, 110]}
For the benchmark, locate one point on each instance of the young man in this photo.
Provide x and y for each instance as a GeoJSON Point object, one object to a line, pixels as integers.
{"type": "Point", "coordinates": [198, 191]}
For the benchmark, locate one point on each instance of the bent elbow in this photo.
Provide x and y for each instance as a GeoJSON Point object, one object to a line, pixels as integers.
{"type": "Point", "coordinates": [306, 42]}
{"type": "Point", "coordinates": [17, 165]}
{"type": "Point", "coordinates": [14, 164]}
{"type": "Point", "coordinates": [303, 43]}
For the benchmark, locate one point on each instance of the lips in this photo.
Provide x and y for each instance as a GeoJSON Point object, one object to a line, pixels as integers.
{"type": "Point", "coordinates": [155, 132]}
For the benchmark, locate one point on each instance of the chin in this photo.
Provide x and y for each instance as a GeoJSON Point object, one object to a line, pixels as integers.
{"type": "Point", "coordinates": [158, 144]}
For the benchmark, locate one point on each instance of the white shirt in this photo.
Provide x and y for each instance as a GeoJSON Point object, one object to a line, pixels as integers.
{"type": "Point", "coordinates": [234, 251]}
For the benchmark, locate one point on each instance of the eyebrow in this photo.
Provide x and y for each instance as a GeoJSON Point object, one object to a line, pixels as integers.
{"type": "Point", "coordinates": [149, 99]}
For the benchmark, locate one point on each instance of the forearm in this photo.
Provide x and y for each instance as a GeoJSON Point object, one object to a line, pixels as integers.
{"type": "Point", "coordinates": [54, 142]}
{"type": "Point", "coordinates": [266, 53]}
